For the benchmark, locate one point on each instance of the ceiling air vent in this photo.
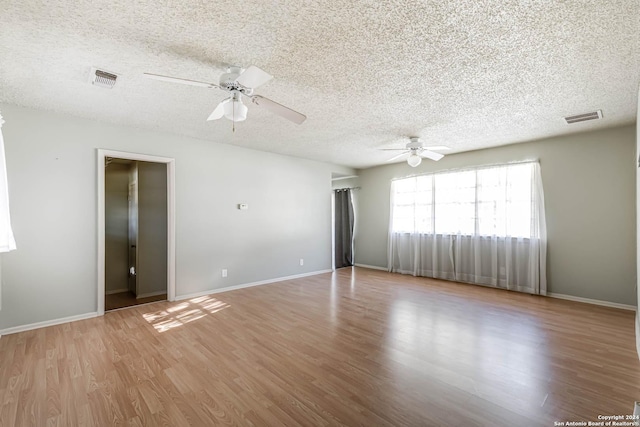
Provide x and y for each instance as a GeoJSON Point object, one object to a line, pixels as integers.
{"type": "Point", "coordinates": [103, 78]}
{"type": "Point", "coordinates": [584, 117]}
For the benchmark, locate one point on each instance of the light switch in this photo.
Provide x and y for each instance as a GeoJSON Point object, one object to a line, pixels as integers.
{"type": "Point", "coordinates": [243, 206]}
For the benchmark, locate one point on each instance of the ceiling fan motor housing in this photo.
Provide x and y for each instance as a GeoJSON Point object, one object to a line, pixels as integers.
{"type": "Point", "coordinates": [414, 144]}
{"type": "Point", "coordinates": [228, 81]}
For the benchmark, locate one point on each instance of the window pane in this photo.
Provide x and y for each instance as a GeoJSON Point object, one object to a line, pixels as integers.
{"type": "Point", "coordinates": [519, 200]}
{"type": "Point", "coordinates": [412, 205]}
{"type": "Point", "coordinates": [489, 201]}
{"type": "Point", "coordinates": [455, 195]}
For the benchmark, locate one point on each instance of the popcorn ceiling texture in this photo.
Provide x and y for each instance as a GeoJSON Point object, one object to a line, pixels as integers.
{"type": "Point", "coordinates": [468, 74]}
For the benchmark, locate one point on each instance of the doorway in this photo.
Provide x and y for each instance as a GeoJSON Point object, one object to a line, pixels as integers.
{"type": "Point", "coordinates": [342, 220]}
{"type": "Point", "coordinates": [343, 225]}
{"type": "Point", "coordinates": [136, 230]}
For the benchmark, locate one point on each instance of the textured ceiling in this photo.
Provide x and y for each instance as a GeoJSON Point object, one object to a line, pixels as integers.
{"type": "Point", "coordinates": [467, 74]}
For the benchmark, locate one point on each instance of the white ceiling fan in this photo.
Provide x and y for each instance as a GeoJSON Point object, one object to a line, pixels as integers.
{"type": "Point", "coordinates": [416, 151]}
{"type": "Point", "coordinates": [239, 82]}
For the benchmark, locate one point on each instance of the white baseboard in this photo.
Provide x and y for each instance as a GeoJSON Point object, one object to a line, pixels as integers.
{"type": "Point", "coordinates": [563, 296]}
{"type": "Point", "coordinates": [248, 285]}
{"type": "Point", "coordinates": [371, 267]}
{"type": "Point", "coordinates": [151, 294]}
{"type": "Point", "coordinates": [116, 291]}
{"type": "Point", "coordinates": [46, 323]}
{"type": "Point", "coordinates": [592, 301]}
{"type": "Point", "coordinates": [54, 322]}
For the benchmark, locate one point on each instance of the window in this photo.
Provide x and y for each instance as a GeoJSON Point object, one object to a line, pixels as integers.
{"type": "Point", "coordinates": [7, 242]}
{"type": "Point", "coordinates": [492, 201]}
{"type": "Point", "coordinates": [412, 209]}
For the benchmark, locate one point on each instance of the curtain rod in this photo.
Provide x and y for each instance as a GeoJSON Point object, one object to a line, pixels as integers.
{"type": "Point", "coordinates": [470, 168]}
{"type": "Point", "coordinates": [346, 188]}
{"type": "Point", "coordinates": [344, 177]}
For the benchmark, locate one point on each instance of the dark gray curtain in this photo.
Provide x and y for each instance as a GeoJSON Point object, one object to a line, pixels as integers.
{"type": "Point", "coordinates": [343, 228]}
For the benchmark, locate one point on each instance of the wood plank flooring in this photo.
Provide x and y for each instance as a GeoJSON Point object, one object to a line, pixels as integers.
{"type": "Point", "coordinates": [356, 347]}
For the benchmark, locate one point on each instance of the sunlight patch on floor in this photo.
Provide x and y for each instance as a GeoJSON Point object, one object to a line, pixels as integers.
{"type": "Point", "coordinates": [183, 313]}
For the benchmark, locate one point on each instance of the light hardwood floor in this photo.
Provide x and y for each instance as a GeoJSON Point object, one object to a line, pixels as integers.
{"type": "Point", "coordinates": [357, 347]}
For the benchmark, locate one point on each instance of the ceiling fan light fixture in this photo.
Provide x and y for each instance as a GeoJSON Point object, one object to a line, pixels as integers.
{"type": "Point", "coordinates": [235, 110]}
{"type": "Point", "coordinates": [414, 160]}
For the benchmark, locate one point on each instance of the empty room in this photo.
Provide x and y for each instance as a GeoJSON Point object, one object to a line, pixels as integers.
{"type": "Point", "coordinates": [407, 213]}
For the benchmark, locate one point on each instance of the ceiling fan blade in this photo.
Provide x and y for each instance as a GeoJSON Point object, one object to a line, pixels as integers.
{"type": "Point", "coordinates": [253, 77]}
{"type": "Point", "coordinates": [398, 156]}
{"type": "Point", "coordinates": [431, 155]}
{"type": "Point", "coordinates": [392, 149]}
{"type": "Point", "coordinates": [177, 80]}
{"type": "Point", "coordinates": [218, 112]}
{"type": "Point", "coordinates": [279, 109]}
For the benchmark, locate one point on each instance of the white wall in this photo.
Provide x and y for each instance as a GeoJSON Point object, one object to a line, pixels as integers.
{"type": "Point", "coordinates": [51, 164]}
{"type": "Point", "coordinates": [588, 180]}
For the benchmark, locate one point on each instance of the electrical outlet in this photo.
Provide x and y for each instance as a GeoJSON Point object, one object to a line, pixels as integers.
{"type": "Point", "coordinates": [224, 272]}
{"type": "Point", "coordinates": [301, 261]}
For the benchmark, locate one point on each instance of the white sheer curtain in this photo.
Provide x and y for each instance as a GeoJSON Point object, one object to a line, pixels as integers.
{"type": "Point", "coordinates": [7, 242]}
{"type": "Point", "coordinates": [483, 226]}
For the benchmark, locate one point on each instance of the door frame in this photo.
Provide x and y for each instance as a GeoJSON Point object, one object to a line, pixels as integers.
{"type": "Point", "coordinates": [333, 230]}
{"type": "Point", "coordinates": [171, 219]}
